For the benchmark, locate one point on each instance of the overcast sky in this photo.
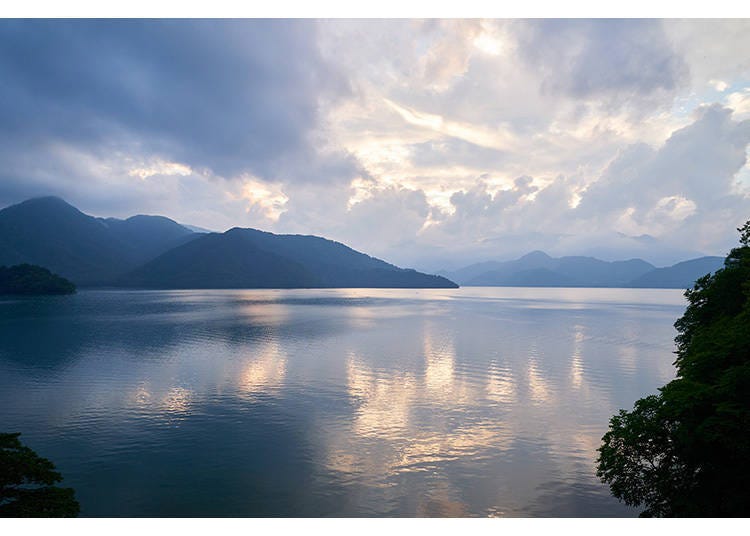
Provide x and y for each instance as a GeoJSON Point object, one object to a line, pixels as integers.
{"type": "Point", "coordinates": [428, 143]}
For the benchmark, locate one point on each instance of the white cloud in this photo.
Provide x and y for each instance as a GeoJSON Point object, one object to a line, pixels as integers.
{"type": "Point", "coordinates": [160, 167]}
{"type": "Point", "coordinates": [718, 85]}
{"type": "Point", "coordinates": [739, 102]}
{"type": "Point", "coordinates": [266, 198]}
{"type": "Point", "coordinates": [498, 138]}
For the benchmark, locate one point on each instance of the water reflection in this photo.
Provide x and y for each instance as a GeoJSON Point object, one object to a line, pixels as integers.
{"type": "Point", "coordinates": [264, 372]}
{"type": "Point", "coordinates": [332, 402]}
{"type": "Point", "coordinates": [576, 363]}
{"type": "Point", "coordinates": [539, 391]}
{"type": "Point", "coordinates": [501, 387]}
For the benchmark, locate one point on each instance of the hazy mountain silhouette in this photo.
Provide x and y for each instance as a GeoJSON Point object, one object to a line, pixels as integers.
{"type": "Point", "coordinates": [197, 229]}
{"type": "Point", "coordinates": [499, 270]}
{"type": "Point", "coordinates": [646, 247]}
{"type": "Point", "coordinates": [49, 232]}
{"type": "Point", "coordinates": [534, 277]}
{"type": "Point", "coordinates": [540, 270]}
{"type": "Point", "coordinates": [537, 269]}
{"type": "Point", "coordinates": [156, 252]}
{"type": "Point", "coordinates": [680, 275]}
{"type": "Point", "coordinates": [598, 273]}
{"type": "Point", "coordinates": [248, 258]}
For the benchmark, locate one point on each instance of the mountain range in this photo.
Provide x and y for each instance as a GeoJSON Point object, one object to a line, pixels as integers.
{"type": "Point", "coordinates": [156, 252]}
{"type": "Point", "coordinates": [537, 269]}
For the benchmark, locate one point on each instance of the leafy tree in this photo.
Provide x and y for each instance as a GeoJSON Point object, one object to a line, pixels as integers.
{"type": "Point", "coordinates": [27, 483]}
{"type": "Point", "coordinates": [686, 451]}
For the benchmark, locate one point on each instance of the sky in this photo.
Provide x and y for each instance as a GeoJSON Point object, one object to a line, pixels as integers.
{"type": "Point", "coordinates": [428, 143]}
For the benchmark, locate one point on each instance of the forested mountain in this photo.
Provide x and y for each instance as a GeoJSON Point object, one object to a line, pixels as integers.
{"type": "Point", "coordinates": [49, 232]}
{"type": "Point", "coordinates": [247, 258]}
{"type": "Point", "coordinates": [156, 252]}
{"type": "Point", "coordinates": [149, 236]}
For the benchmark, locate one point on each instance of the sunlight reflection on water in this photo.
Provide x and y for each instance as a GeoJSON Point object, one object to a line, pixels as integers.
{"type": "Point", "coordinates": [473, 401]}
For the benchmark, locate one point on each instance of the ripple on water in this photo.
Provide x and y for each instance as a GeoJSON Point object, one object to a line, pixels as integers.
{"type": "Point", "coordinates": [482, 402]}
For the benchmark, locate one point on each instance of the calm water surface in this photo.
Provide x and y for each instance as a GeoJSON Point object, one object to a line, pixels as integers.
{"type": "Point", "coordinates": [467, 402]}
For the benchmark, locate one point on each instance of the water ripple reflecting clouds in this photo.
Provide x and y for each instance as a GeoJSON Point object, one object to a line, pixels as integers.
{"type": "Point", "coordinates": [483, 402]}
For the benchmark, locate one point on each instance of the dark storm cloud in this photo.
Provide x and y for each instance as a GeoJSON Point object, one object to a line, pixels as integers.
{"type": "Point", "coordinates": [229, 96]}
{"type": "Point", "coordinates": [612, 59]}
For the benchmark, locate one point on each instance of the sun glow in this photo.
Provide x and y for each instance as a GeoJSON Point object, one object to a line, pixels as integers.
{"type": "Point", "coordinates": [488, 44]}
{"type": "Point", "coordinates": [266, 198]}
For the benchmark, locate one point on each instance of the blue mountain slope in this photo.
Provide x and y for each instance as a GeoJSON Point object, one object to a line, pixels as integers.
{"type": "Point", "coordinates": [49, 232]}
{"type": "Point", "coordinates": [681, 275]}
{"type": "Point", "coordinates": [248, 258]}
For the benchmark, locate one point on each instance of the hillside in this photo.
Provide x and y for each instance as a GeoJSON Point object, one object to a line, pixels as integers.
{"type": "Point", "coordinates": [156, 252]}
{"type": "Point", "coordinates": [49, 232]}
{"type": "Point", "coordinates": [147, 237]}
{"type": "Point", "coordinates": [681, 275]}
{"type": "Point", "coordinates": [248, 258]}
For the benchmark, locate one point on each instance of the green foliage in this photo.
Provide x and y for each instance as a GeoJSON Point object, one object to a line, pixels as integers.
{"type": "Point", "coordinates": [29, 279]}
{"type": "Point", "coordinates": [686, 451]}
{"type": "Point", "coordinates": [27, 483]}
{"type": "Point", "coordinates": [745, 234]}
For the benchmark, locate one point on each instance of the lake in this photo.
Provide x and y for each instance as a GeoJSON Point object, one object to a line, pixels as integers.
{"type": "Point", "coordinates": [338, 402]}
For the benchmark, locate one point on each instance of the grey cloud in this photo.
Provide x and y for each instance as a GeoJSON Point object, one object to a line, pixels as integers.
{"type": "Point", "coordinates": [612, 59]}
{"type": "Point", "coordinates": [524, 184]}
{"type": "Point", "coordinates": [480, 215]}
{"type": "Point", "coordinates": [231, 96]}
{"type": "Point", "coordinates": [713, 48]}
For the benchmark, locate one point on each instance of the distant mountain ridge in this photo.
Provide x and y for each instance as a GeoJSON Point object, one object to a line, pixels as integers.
{"type": "Point", "coordinates": [681, 275]}
{"type": "Point", "coordinates": [537, 269]}
{"type": "Point", "coordinates": [157, 252]}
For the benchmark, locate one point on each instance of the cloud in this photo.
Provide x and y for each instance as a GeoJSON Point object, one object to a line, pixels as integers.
{"type": "Point", "coordinates": [447, 151]}
{"type": "Point", "coordinates": [226, 96]}
{"type": "Point", "coordinates": [606, 59]}
{"type": "Point", "coordinates": [426, 142]}
{"type": "Point", "coordinates": [498, 138]}
{"type": "Point", "coordinates": [448, 56]}
{"type": "Point", "coordinates": [739, 102]}
{"type": "Point", "coordinates": [713, 50]}
{"type": "Point", "coordinates": [698, 164]}
{"type": "Point", "coordinates": [140, 115]}
{"type": "Point", "coordinates": [685, 192]}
